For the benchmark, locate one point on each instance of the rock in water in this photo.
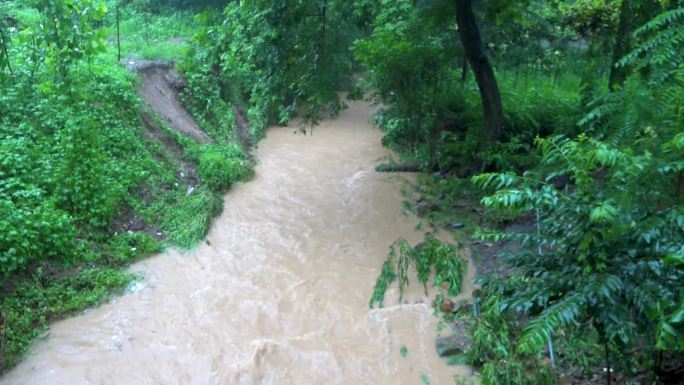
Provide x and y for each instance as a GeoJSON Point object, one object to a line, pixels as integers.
{"type": "Point", "coordinates": [451, 345]}
{"type": "Point", "coordinates": [447, 306]}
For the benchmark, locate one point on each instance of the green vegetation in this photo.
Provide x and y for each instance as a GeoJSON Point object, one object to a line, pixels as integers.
{"type": "Point", "coordinates": [221, 166]}
{"type": "Point", "coordinates": [34, 302]}
{"type": "Point", "coordinates": [494, 337]}
{"type": "Point", "coordinates": [281, 56]}
{"type": "Point", "coordinates": [148, 33]}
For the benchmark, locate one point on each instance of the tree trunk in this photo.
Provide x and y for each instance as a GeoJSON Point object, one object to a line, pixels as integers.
{"type": "Point", "coordinates": [484, 74]}
{"type": "Point", "coordinates": [4, 41]}
{"type": "Point", "coordinates": [608, 369]}
{"type": "Point", "coordinates": [464, 71]}
{"type": "Point", "coordinates": [118, 33]}
{"type": "Point", "coordinates": [618, 75]}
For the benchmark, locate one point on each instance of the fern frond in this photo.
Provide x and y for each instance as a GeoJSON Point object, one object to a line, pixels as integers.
{"type": "Point", "coordinates": [540, 328]}
{"type": "Point", "coordinates": [661, 47]}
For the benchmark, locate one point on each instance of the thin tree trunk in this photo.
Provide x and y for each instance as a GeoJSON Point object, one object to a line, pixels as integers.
{"type": "Point", "coordinates": [321, 33]}
{"type": "Point", "coordinates": [464, 71]}
{"type": "Point", "coordinates": [618, 74]}
{"type": "Point", "coordinates": [118, 34]}
{"type": "Point", "coordinates": [482, 69]}
{"type": "Point", "coordinates": [656, 365]}
{"type": "Point", "coordinates": [609, 376]}
{"type": "Point", "coordinates": [4, 40]}
{"type": "Point", "coordinates": [147, 27]}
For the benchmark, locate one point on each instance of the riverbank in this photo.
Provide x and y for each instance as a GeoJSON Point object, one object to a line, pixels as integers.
{"type": "Point", "coordinates": [96, 177]}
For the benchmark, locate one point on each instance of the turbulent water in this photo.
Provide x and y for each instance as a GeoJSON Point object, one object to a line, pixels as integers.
{"type": "Point", "coordinates": [279, 292]}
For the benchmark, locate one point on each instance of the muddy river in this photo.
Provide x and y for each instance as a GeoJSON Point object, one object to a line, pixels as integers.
{"type": "Point", "coordinates": [279, 292]}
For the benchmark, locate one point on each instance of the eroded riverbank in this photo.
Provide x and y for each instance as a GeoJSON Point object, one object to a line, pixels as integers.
{"type": "Point", "coordinates": [279, 292]}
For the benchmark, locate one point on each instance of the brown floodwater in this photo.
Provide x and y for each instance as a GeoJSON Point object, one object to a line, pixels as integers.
{"type": "Point", "coordinates": [279, 293]}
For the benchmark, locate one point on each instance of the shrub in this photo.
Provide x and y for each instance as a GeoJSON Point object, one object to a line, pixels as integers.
{"type": "Point", "coordinates": [493, 348]}
{"type": "Point", "coordinates": [31, 233]}
{"type": "Point", "coordinates": [599, 257]}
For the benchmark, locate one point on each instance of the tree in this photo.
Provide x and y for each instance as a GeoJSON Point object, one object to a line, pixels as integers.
{"type": "Point", "coordinates": [408, 61]}
{"type": "Point", "coordinates": [69, 33]}
{"type": "Point", "coordinates": [618, 74]}
{"type": "Point", "coordinates": [4, 44]}
{"type": "Point", "coordinates": [284, 55]}
{"type": "Point", "coordinates": [482, 68]}
{"type": "Point", "coordinates": [118, 31]}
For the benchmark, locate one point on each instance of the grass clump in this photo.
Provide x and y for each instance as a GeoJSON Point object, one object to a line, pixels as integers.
{"type": "Point", "coordinates": [125, 248]}
{"type": "Point", "coordinates": [220, 166]}
{"type": "Point", "coordinates": [190, 221]}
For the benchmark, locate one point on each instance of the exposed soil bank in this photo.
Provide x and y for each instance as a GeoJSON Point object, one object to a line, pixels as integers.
{"type": "Point", "coordinates": [160, 87]}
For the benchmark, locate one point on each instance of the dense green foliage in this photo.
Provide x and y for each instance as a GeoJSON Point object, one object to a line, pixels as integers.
{"type": "Point", "coordinates": [279, 57]}
{"type": "Point", "coordinates": [431, 109]}
{"type": "Point", "coordinates": [221, 166]}
{"type": "Point", "coordinates": [406, 60]}
{"type": "Point", "coordinates": [494, 338]}
{"type": "Point", "coordinates": [601, 257]}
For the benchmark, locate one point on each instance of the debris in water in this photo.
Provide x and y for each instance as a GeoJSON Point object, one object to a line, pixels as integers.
{"type": "Point", "coordinates": [136, 286]}
{"type": "Point", "coordinates": [447, 306]}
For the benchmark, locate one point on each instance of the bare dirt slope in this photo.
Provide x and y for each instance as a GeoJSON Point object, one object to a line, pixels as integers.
{"type": "Point", "coordinates": [160, 86]}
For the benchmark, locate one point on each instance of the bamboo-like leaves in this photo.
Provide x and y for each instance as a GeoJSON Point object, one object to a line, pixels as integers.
{"type": "Point", "coordinates": [432, 258]}
{"type": "Point", "coordinates": [607, 249]}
